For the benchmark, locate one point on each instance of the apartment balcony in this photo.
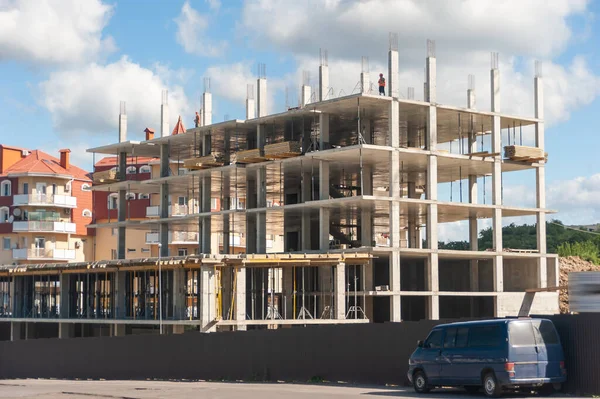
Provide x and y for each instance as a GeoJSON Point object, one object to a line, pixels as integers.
{"type": "Point", "coordinates": [106, 176]}
{"type": "Point", "coordinates": [175, 237]}
{"type": "Point", "coordinates": [44, 227]}
{"type": "Point", "coordinates": [43, 254]}
{"type": "Point", "coordinates": [62, 201]}
{"type": "Point", "coordinates": [174, 210]}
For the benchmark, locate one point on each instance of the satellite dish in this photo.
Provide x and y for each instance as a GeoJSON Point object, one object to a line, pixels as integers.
{"type": "Point", "coordinates": [11, 218]}
{"type": "Point", "coordinates": [17, 212]}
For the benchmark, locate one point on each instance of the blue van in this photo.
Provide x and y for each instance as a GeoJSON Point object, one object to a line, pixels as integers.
{"type": "Point", "coordinates": [493, 354]}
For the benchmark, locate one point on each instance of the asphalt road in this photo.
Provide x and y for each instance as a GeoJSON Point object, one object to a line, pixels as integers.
{"type": "Point", "coordinates": [57, 389]}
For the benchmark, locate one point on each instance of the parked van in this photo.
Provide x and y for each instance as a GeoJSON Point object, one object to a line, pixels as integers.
{"type": "Point", "coordinates": [493, 354]}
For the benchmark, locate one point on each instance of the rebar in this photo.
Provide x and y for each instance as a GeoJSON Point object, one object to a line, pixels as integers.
{"type": "Point", "coordinates": [262, 71]}
{"type": "Point", "coordinates": [306, 78]}
{"type": "Point", "coordinates": [324, 57]}
{"type": "Point", "coordinates": [207, 85]}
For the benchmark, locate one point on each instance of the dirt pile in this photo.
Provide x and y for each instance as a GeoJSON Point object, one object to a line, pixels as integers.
{"type": "Point", "coordinates": [567, 265]}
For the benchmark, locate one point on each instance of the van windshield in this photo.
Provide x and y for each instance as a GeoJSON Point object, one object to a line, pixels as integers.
{"type": "Point", "coordinates": [532, 332]}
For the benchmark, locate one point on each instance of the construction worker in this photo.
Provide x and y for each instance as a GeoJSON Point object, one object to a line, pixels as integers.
{"type": "Point", "coordinates": [381, 85]}
{"type": "Point", "coordinates": [197, 119]}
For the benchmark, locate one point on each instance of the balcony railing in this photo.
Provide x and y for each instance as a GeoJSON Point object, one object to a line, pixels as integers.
{"type": "Point", "coordinates": [45, 226]}
{"type": "Point", "coordinates": [174, 210]}
{"type": "Point", "coordinates": [64, 201]}
{"type": "Point", "coordinates": [175, 237]}
{"type": "Point", "coordinates": [43, 253]}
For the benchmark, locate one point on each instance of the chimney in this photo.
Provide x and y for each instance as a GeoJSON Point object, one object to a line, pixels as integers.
{"type": "Point", "coordinates": [149, 133]}
{"type": "Point", "coordinates": [64, 158]}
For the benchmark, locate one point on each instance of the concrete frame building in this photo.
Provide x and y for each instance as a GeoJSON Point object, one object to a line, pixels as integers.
{"type": "Point", "coordinates": [350, 185]}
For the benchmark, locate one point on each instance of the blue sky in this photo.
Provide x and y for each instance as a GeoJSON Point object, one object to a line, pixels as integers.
{"type": "Point", "coordinates": [65, 64]}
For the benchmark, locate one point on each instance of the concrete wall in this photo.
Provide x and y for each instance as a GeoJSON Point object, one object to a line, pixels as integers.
{"type": "Point", "coordinates": [544, 303]}
{"type": "Point", "coordinates": [520, 274]}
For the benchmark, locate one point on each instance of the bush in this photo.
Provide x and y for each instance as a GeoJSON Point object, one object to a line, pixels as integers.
{"type": "Point", "coordinates": [586, 250]}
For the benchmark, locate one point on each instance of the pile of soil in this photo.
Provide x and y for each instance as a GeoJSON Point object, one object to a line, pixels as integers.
{"type": "Point", "coordinates": [567, 265]}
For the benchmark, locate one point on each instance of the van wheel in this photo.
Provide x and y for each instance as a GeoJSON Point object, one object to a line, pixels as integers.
{"type": "Point", "coordinates": [490, 386]}
{"type": "Point", "coordinates": [420, 382]}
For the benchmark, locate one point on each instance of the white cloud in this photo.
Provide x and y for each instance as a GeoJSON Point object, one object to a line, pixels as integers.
{"type": "Point", "coordinates": [54, 31]}
{"type": "Point", "coordinates": [575, 199]}
{"type": "Point", "coordinates": [191, 33]}
{"type": "Point", "coordinates": [86, 100]}
{"type": "Point", "coordinates": [214, 4]}
{"type": "Point", "coordinates": [466, 33]}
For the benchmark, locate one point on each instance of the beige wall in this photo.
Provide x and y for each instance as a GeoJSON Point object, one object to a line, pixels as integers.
{"type": "Point", "coordinates": [60, 184]}
{"type": "Point", "coordinates": [134, 239]}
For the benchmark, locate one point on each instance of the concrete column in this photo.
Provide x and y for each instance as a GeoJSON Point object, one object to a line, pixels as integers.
{"type": "Point", "coordinates": [164, 115]}
{"type": "Point", "coordinates": [207, 109]}
{"type": "Point", "coordinates": [366, 228]}
{"type": "Point", "coordinates": [64, 296]}
{"type": "Point", "coordinates": [240, 296]}
{"type": "Point", "coordinates": [394, 124]}
{"type": "Point", "coordinates": [287, 312]}
{"type": "Point", "coordinates": [471, 103]}
{"type": "Point", "coordinates": [323, 82]}
{"type": "Point", "coordinates": [340, 291]}
{"type": "Point", "coordinates": [324, 180]}
{"type": "Point", "coordinates": [122, 124]}
{"type": "Point", "coordinates": [306, 233]}
{"type": "Point", "coordinates": [365, 82]}
{"type": "Point", "coordinates": [119, 330]}
{"type": "Point", "coordinates": [414, 236]}
{"type": "Point", "coordinates": [395, 237]}
{"type": "Point", "coordinates": [365, 129]}
{"type": "Point", "coordinates": [324, 131]}
{"type": "Point", "coordinates": [17, 330]}
{"type": "Point", "coordinates": [66, 330]}
{"type": "Point", "coordinates": [324, 225]}
{"type": "Point", "coordinates": [434, 285]}
{"type": "Point", "coordinates": [250, 103]}
{"type": "Point", "coordinates": [369, 286]}
{"type": "Point", "coordinates": [497, 167]}
{"type": "Point", "coordinates": [178, 299]}
{"type": "Point", "coordinates": [431, 97]}
{"type": "Point", "coordinates": [261, 217]}
{"type": "Point", "coordinates": [498, 273]}
{"type": "Point", "coordinates": [261, 85]}
{"type": "Point", "coordinates": [260, 137]}
{"type": "Point", "coordinates": [164, 213]}
{"type": "Point", "coordinates": [395, 287]}
{"type": "Point", "coordinates": [306, 94]}
{"type": "Point", "coordinates": [121, 208]}
{"type": "Point", "coordinates": [201, 115]}
{"type": "Point", "coordinates": [205, 221]}
{"type": "Point", "coordinates": [431, 71]}
{"type": "Point", "coordinates": [120, 293]}
{"type": "Point", "coordinates": [207, 295]}
{"type": "Point", "coordinates": [473, 228]}
{"type": "Point", "coordinates": [540, 182]}
{"type": "Point", "coordinates": [392, 73]}
{"type": "Point", "coordinates": [432, 194]}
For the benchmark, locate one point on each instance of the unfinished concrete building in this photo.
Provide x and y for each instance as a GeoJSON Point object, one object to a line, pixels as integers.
{"type": "Point", "coordinates": [349, 186]}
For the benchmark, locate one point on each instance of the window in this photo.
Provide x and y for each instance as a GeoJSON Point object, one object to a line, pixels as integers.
{"type": "Point", "coordinates": [213, 204]}
{"type": "Point", "coordinates": [131, 170]}
{"type": "Point", "coordinates": [435, 339]}
{"type": "Point", "coordinates": [85, 187]}
{"type": "Point", "coordinates": [485, 336]}
{"type": "Point", "coordinates": [4, 215]}
{"type": "Point", "coordinates": [182, 252]}
{"type": "Point", "coordinates": [130, 249]}
{"type": "Point", "coordinates": [181, 201]}
{"type": "Point", "coordinates": [545, 332]}
{"type": "Point", "coordinates": [456, 338]}
{"type": "Point", "coordinates": [6, 243]}
{"type": "Point", "coordinates": [145, 249]}
{"type": "Point", "coordinates": [5, 188]}
{"type": "Point", "coordinates": [113, 254]}
{"type": "Point", "coordinates": [86, 213]}
{"type": "Point", "coordinates": [145, 169]}
{"type": "Point", "coordinates": [25, 188]}
{"type": "Point", "coordinates": [113, 200]}
{"type": "Point", "coordinates": [130, 196]}
{"type": "Point", "coordinates": [143, 196]}
{"type": "Point", "coordinates": [114, 231]}
{"type": "Point", "coordinates": [521, 333]}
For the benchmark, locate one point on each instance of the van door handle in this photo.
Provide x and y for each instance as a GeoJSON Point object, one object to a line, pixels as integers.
{"type": "Point", "coordinates": [537, 349]}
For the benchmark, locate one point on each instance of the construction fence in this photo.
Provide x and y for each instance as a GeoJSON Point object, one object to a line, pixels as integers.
{"type": "Point", "coordinates": [362, 353]}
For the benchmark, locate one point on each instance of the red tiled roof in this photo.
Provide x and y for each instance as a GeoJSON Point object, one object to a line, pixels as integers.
{"type": "Point", "coordinates": [40, 162]}
{"type": "Point", "coordinates": [109, 161]}
{"type": "Point", "coordinates": [179, 128]}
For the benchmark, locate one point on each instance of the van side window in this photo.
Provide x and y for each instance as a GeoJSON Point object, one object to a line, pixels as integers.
{"type": "Point", "coordinates": [485, 336]}
{"type": "Point", "coordinates": [456, 337]}
{"type": "Point", "coordinates": [434, 340]}
{"type": "Point", "coordinates": [545, 332]}
{"type": "Point", "coordinates": [521, 333]}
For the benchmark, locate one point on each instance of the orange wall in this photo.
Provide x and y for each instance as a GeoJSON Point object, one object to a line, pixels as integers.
{"type": "Point", "coordinates": [9, 157]}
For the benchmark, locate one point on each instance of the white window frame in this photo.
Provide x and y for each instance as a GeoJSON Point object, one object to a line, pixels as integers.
{"type": "Point", "coordinates": [86, 187]}
{"type": "Point", "coordinates": [131, 170]}
{"type": "Point", "coordinates": [130, 196]}
{"type": "Point", "coordinates": [179, 250]}
{"type": "Point", "coordinates": [3, 188]}
{"type": "Point", "coordinates": [143, 196]}
{"type": "Point", "coordinates": [4, 241]}
{"type": "Point", "coordinates": [145, 169]}
{"type": "Point", "coordinates": [110, 197]}
{"type": "Point", "coordinates": [86, 213]}
{"type": "Point", "coordinates": [4, 211]}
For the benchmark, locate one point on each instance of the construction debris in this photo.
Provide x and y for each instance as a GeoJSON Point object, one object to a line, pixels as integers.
{"type": "Point", "coordinates": [567, 265]}
{"type": "Point", "coordinates": [207, 161]}
{"type": "Point", "coordinates": [249, 156]}
{"type": "Point", "coordinates": [286, 149]}
{"type": "Point", "coordinates": [106, 176]}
